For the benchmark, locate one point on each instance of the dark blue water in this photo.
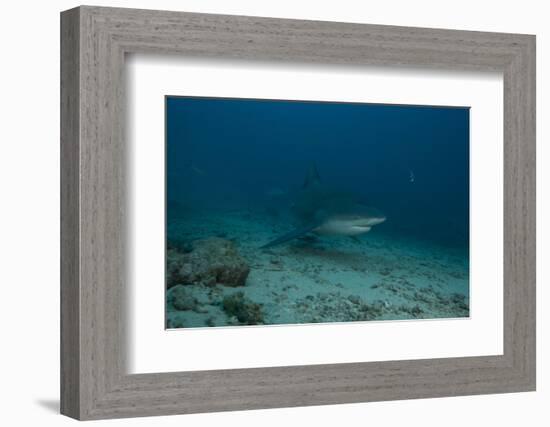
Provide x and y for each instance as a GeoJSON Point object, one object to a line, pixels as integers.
{"type": "Point", "coordinates": [411, 162]}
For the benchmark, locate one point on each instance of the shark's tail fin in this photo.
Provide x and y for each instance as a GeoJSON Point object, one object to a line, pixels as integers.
{"type": "Point", "coordinates": [312, 177]}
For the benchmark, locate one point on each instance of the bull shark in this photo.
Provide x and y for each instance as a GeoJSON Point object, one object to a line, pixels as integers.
{"type": "Point", "coordinates": [323, 211]}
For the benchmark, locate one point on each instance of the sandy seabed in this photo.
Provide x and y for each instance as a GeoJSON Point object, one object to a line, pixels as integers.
{"type": "Point", "coordinates": [377, 276]}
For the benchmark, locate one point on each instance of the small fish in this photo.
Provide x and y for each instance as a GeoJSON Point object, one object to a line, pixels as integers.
{"type": "Point", "coordinates": [197, 170]}
{"type": "Point", "coordinates": [411, 176]}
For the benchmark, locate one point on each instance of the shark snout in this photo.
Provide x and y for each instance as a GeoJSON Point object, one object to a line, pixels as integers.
{"type": "Point", "coordinates": [368, 218]}
{"type": "Point", "coordinates": [376, 220]}
{"type": "Point", "coordinates": [373, 216]}
{"type": "Point", "coordinates": [350, 224]}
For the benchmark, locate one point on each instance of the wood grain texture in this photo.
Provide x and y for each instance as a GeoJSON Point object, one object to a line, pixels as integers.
{"type": "Point", "coordinates": [94, 381]}
{"type": "Point", "coordinates": [70, 292]}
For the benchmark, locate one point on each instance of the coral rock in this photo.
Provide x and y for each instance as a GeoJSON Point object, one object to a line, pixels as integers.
{"type": "Point", "coordinates": [182, 299]}
{"type": "Point", "coordinates": [212, 261]}
{"type": "Point", "coordinates": [246, 311]}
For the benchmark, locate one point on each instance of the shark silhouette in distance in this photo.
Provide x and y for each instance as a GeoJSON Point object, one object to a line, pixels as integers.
{"type": "Point", "coordinates": [323, 211]}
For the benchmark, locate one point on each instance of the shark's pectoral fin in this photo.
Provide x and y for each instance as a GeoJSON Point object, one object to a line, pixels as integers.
{"type": "Point", "coordinates": [298, 232]}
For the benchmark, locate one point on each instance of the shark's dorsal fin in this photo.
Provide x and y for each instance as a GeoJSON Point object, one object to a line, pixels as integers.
{"type": "Point", "coordinates": [312, 177]}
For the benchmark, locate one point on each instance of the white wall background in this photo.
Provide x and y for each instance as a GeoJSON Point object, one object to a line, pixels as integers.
{"type": "Point", "coordinates": [29, 225]}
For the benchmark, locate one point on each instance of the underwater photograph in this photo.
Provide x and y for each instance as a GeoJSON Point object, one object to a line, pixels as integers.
{"type": "Point", "coordinates": [298, 212]}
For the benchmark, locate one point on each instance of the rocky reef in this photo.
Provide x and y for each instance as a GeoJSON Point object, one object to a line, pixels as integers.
{"type": "Point", "coordinates": [207, 262]}
{"type": "Point", "coordinates": [181, 298]}
{"type": "Point", "coordinates": [244, 310]}
{"type": "Point", "coordinates": [212, 257]}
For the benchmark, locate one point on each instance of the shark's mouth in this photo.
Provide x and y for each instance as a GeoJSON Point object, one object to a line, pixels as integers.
{"type": "Point", "coordinates": [360, 228]}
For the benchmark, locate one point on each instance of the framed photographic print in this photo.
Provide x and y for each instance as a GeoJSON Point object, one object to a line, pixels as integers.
{"type": "Point", "coordinates": [240, 169]}
{"type": "Point", "coordinates": [348, 208]}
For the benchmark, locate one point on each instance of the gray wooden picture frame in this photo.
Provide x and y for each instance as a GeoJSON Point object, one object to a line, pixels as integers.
{"type": "Point", "coordinates": [94, 382]}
